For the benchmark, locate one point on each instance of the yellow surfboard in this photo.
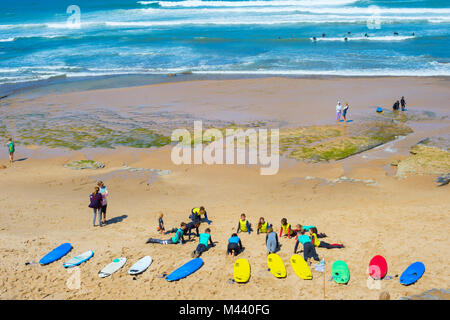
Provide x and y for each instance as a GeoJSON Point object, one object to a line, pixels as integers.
{"type": "Point", "coordinates": [300, 267]}
{"type": "Point", "coordinates": [276, 265]}
{"type": "Point", "coordinates": [241, 270]}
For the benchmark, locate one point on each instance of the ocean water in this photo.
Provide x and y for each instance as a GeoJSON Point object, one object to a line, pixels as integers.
{"type": "Point", "coordinates": [41, 40]}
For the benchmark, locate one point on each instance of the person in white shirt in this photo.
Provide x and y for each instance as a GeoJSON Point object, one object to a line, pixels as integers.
{"type": "Point", "coordinates": [104, 193]}
{"type": "Point", "coordinates": [338, 111]}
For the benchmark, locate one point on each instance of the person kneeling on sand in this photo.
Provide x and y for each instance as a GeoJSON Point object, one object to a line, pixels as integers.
{"type": "Point", "coordinates": [286, 229]}
{"type": "Point", "coordinates": [204, 243]}
{"type": "Point", "coordinates": [196, 215]}
{"type": "Point", "coordinates": [177, 238]}
{"type": "Point", "coordinates": [243, 225]}
{"type": "Point", "coordinates": [234, 245]}
{"type": "Point", "coordinates": [309, 251]}
{"type": "Point", "coordinates": [96, 205]}
{"type": "Point", "coordinates": [322, 244]}
{"type": "Point", "coordinates": [272, 241]}
{"type": "Point", "coordinates": [263, 226]}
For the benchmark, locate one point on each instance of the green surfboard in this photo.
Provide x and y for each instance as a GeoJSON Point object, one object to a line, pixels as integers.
{"type": "Point", "coordinates": [340, 272]}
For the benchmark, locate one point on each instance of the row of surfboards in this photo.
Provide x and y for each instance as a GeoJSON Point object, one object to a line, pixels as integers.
{"type": "Point", "coordinates": [241, 270]}
{"type": "Point", "coordinates": [140, 266]}
{"type": "Point", "coordinates": [339, 269]}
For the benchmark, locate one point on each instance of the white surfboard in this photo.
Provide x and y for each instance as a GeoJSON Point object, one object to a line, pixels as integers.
{"type": "Point", "coordinates": [141, 265]}
{"type": "Point", "coordinates": [75, 261]}
{"type": "Point", "coordinates": [112, 267]}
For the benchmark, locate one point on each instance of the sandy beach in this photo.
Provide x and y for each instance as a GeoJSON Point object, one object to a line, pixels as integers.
{"type": "Point", "coordinates": [359, 201]}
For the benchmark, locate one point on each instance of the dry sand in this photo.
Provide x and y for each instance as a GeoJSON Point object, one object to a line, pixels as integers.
{"type": "Point", "coordinates": [44, 204]}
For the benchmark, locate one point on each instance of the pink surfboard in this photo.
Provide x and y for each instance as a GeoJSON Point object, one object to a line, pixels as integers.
{"type": "Point", "coordinates": [378, 267]}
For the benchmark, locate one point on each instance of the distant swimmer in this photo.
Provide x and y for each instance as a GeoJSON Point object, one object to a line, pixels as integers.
{"type": "Point", "coordinates": [348, 32]}
{"type": "Point", "coordinates": [366, 35]}
{"type": "Point", "coordinates": [345, 39]}
{"type": "Point", "coordinates": [314, 39]}
{"type": "Point", "coordinates": [413, 34]}
{"type": "Point", "coordinates": [403, 103]}
{"type": "Point", "coordinates": [395, 33]}
{"type": "Point", "coordinates": [323, 35]}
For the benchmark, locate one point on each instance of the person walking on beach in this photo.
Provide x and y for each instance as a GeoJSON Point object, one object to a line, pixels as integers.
{"type": "Point", "coordinates": [104, 193]}
{"type": "Point", "coordinates": [338, 111]}
{"type": "Point", "coordinates": [96, 205]}
{"type": "Point", "coordinates": [403, 103]}
{"type": "Point", "coordinates": [344, 111]}
{"type": "Point", "coordinates": [11, 149]}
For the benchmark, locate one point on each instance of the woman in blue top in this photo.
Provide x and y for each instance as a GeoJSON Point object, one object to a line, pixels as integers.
{"type": "Point", "coordinates": [205, 242]}
{"type": "Point", "coordinates": [234, 245]}
{"type": "Point", "coordinates": [177, 238]}
{"type": "Point", "coordinates": [309, 251]}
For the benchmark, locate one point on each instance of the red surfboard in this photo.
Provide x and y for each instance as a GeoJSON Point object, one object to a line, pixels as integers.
{"type": "Point", "coordinates": [378, 267]}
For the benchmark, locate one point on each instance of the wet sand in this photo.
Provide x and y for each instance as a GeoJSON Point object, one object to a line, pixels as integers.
{"type": "Point", "coordinates": [405, 220]}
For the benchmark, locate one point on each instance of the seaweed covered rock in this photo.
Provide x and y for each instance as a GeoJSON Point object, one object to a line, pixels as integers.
{"type": "Point", "coordinates": [84, 164]}
{"type": "Point", "coordinates": [429, 156]}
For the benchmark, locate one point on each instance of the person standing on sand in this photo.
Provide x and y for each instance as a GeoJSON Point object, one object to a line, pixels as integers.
{"type": "Point", "coordinates": [403, 103]}
{"type": "Point", "coordinates": [344, 111]}
{"type": "Point", "coordinates": [104, 193]}
{"type": "Point", "coordinates": [96, 205]}
{"type": "Point", "coordinates": [338, 111]}
{"type": "Point", "coordinates": [11, 149]}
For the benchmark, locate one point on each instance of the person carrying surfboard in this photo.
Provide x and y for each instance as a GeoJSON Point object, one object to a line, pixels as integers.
{"type": "Point", "coordinates": [286, 229]}
{"type": "Point", "coordinates": [204, 243]}
{"type": "Point", "coordinates": [177, 238]}
{"type": "Point", "coordinates": [322, 244]}
{"type": "Point", "coordinates": [272, 243]}
{"type": "Point", "coordinates": [309, 251]}
{"type": "Point", "coordinates": [243, 225]}
{"type": "Point", "coordinates": [196, 215]}
{"type": "Point", "coordinates": [263, 226]}
{"type": "Point", "coordinates": [234, 245]}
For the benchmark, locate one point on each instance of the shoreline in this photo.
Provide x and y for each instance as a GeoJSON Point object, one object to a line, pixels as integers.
{"type": "Point", "coordinates": [81, 83]}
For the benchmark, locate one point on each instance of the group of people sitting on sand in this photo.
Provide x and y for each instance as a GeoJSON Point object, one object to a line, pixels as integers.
{"type": "Point", "coordinates": [308, 236]}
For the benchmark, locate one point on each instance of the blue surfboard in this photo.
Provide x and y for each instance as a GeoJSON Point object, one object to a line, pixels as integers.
{"type": "Point", "coordinates": [185, 270]}
{"type": "Point", "coordinates": [56, 253]}
{"type": "Point", "coordinates": [412, 273]}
